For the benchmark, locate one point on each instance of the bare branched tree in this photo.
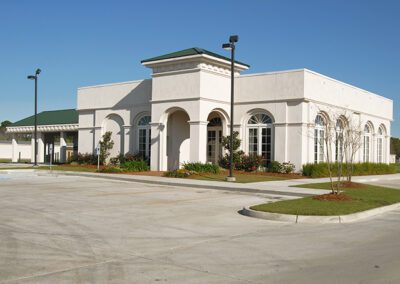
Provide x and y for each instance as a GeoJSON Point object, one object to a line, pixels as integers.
{"type": "Point", "coordinates": [352, 142]}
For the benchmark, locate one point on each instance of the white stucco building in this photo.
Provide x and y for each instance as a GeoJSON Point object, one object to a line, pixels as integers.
{"type": "Point", "coordinates": [180, 114]}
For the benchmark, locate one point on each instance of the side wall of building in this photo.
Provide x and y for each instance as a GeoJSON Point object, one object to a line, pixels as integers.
{"type": "Point", "coordinates": [112, 107]}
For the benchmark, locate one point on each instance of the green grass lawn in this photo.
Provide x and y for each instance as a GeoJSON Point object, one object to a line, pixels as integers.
{"type": "Point", "coordinates": [364, 198]}
{"type": "Point", "coordinates": [69, 168]}
{"type": "Point", "coordinates": [240, 177]}
{"type": "Point", "coordinates": [54, 168]}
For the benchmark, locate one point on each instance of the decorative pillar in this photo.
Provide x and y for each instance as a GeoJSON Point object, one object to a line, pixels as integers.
{"type": "Point", "coordinates": [63, 148]}
{"type": "Point", "coordinates": [128, 138]}
{"type": "Point", "coordinates": [33, 148]}
{"type": "Point", "coordinates": [158, 148]}
{"type": "Point", "coordinates": [279, 146]}
{"type": "Point", "coordinates": [386, 149]}
{"type": "Point", "coordinates": [198, 141]}
{"type": "Point", "coordinates": [40, 157]}
{"type": "Point", "coordinates": [97, 135]}
{"type": "Point", "coordinates": [373, 150]}
{"type": "Point", "coordinates": [15, 154]}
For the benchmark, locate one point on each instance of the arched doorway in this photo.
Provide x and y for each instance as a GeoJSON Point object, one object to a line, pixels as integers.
{"type": "Point", "coordinates": [214, 137]}
{"type": "Point", "coordinates": [113, 123]}
{"type": "Point", "coordinates": [178, 139]}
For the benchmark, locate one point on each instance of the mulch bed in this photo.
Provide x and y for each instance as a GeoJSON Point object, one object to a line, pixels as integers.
{"type": "Point", "coordinates": [148, 173]}
{"type": "Point", "coordinates": [291, 176]}
{"type": "Point", "coordinates": [333, 197]}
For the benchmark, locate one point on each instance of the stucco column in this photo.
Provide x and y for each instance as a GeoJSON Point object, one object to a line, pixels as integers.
{"type": "Point", "coordinates": [373, 150]}
{"type": "Point", "coordinates": [158, 148]}
{"type": "Point", "coordinates": [14, 156]}
{"type": "Point", "coordinates": [97, 136]}
{"type": "Point", "coordinates": [32, 149]}
{"type": "Point", "coordinates": [279, 147]}
{"type": "Point", "coordinates": [386, 153]}
{"type": "Point", "coordinates": [128, 136]}
{"type": "Point", "coordinates": [198, 141]}
{"type": "Point", "coordinates": [40, 157]}
{"type": "Point", "coordinates": [63, 148]}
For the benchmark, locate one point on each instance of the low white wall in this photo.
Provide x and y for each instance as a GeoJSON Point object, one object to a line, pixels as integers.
{"type": "Point", "coordinates": [24, 148]}
{"type": "Point", "coordinates": [5, 150]}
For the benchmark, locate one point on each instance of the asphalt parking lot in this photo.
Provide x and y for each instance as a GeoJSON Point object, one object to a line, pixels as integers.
{"type": "Point", "coordinates": [84, 230]}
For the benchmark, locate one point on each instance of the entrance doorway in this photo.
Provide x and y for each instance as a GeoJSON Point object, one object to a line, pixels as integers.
{"type": "Point", "coordinates": [49, 147]}
{"type": "Point", "coordinates": [178, 139]}
{"type": "Point", "coordinates": [214, 140]}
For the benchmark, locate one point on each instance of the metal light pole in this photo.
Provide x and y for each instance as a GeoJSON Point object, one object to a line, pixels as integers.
{"type": "Point", "coordinates": [35, 77]}
{"type": "Point", "coordinates": [231, 46]}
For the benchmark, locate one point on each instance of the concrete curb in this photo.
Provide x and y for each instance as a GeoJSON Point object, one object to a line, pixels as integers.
{"type": "Point", "coordinates": [246, 211]}
{"type": "Point", "coordinates": [181, 183]}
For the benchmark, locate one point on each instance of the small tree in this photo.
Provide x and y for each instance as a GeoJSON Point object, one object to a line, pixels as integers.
{"type": "Point", "coordinates": [225, 161]}
{"type": "Point", "coordinates": [329, 139]}
{"type": "Point", "coordinates": [5, 123]}
{"type": "Point", "coordinates": [352, 142]}
{"type": "Point", "coordinates": [226, 142]}
{"type": "Point", "coordinates": [106, 144]}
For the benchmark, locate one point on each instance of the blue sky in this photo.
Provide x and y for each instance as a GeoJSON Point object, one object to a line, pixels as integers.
{"type": "Point", "coordinates": [80, 43]}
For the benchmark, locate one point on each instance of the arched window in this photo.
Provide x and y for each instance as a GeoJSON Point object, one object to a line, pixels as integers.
{"type": "Point", "coordinates": [319, 139]}
{"type": "Point", "coordinates": [379, 144]}
{"type": "Point", "coordinates": [144, 136]}
{"type": "Point", "coordinates": [339, 141]}
{"type": "Point", "coordinates": [367, 143]}
{"type": "Point", "coordinates": [216, 121]}
{"type": "Point", "coordinates": [259, 128]}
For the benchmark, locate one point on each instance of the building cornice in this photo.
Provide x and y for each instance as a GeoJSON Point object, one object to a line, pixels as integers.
{"type": "Point", "coordinates": [349, 109]}
{"type": "Point", "coordinates": [188, 100]}
{"type": "Point", "coordinates": [43, 128]}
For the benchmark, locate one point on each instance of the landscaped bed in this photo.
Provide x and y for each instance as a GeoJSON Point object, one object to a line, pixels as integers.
{"type": "Point", "coordinates": [353, 198]}
{"type": "Point", "coordinates": [245, 177]}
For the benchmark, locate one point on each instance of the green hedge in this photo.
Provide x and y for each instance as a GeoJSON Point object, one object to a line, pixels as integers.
{"type": "Point", "coordinates": [359, 169]}
{"type": "Point", "coordinates": [135, 166]}
{"type": "Point", "coordinates": [202, 167]}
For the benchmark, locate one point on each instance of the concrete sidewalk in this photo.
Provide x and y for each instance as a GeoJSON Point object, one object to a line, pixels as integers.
{"type": "Point", "coordinates": [192, 183]}
{"type": "Point", "coordinates": [271, 188]}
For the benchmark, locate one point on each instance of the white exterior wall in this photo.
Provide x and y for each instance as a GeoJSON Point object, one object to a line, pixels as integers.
{"type": "Point", "coordinates": [6, 150]}
{"type": "Point", "coordinates": [281, 96]}
{"type": "Point", "coordinates": [97, 104]}
{"type": "Point", "coordinates": [291, 98]}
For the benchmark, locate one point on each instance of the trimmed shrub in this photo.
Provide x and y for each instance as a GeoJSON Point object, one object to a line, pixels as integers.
{"type": "Point", "coordinates": [288, 168]}
{"type": "Point", "coordinates": [135, 166]}
{"type": "Point", "coordinates": [111, 170]}
{"type": "Point", "coordinates": [275, 167]}
{"type": "Point", "coordinates": [282, 168]}
{"type": "Point", "coordinates": [181, 173]}
{"type": "Point", "coordinates": [202, 167]}
{"type": "Point", "coordinates": [83, 159]}
{"type": "Point", "coordinates": [250, 163]}
{"type": "Point", "coordinates": [237, 158]}
{"type": "Point", "coordinates": [242, 162]}
{"type": "Point", "coordinates": [321, 169]}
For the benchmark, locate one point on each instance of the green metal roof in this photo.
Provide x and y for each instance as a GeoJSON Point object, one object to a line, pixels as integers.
{"type": "Point", "coordinates": [54, 117]}
{"type": "Point", "coordinates": [189, 52]}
